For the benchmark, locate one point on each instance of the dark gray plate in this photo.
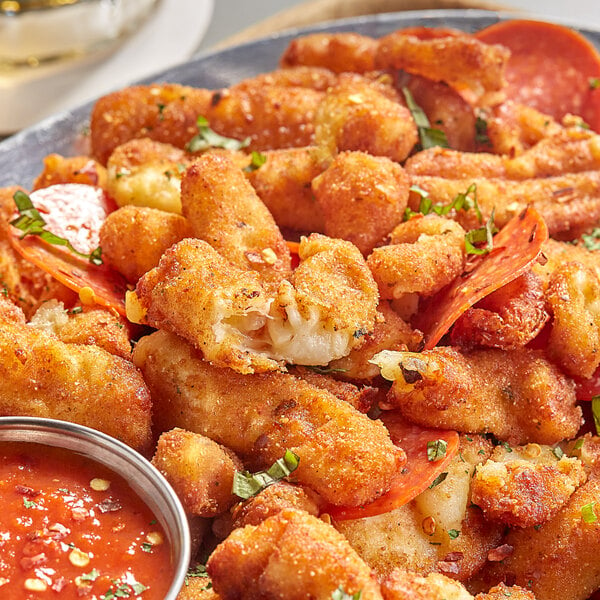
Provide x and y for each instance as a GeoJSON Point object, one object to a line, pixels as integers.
{"type": "Point", "coordinates": [21, 155]}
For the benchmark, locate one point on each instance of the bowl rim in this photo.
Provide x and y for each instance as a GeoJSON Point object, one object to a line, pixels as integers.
{"type": "Point", "coordinates": [150, 485]}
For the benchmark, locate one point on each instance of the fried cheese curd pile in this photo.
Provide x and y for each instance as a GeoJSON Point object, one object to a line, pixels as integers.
{"type": "Point", "coordinates": [349, 308]}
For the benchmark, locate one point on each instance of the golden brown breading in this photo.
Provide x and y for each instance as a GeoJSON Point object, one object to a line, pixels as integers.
{"type": "Point", "coordinates": [344, 456]}
{"type": "Point", "coordinates": [407, 585]}
{"type": "Point", "coordinates": [456, 58]}
{"type": "Point", "coordinates": [292, 555]}
{"type": "Point", "coordinates": [508, 318]}
{"type": "Point", "coordinates": [363, 399]}
{"type": "Point", "coordinates": [197, 588]}
{"type": "Point", "coordinates": [42, 376]}
{"type": "Point", "coordinates": [200, 471]}
{"type": "Point", "coordinates": [424, 255]}
{"type": "Point", "coordinates": [362, 198]}
{"type": "Point", "coordinates": [199, 295]}
{"type": "Point", "coordinates": [558, 560]}
{"type": "Point", "coordinates": [517, 395]}
{"type": "Point", "coordinates": [569, 150]}
{"type": "Point", "coordinates": [392, 333]}
{"type": "Point", "coordinates": [306, 76]}
{"type": "Point", "coordinates": [133, 238]}
{"type": "Point", "coordinates": [358, 114]}
{"type": "Point", "coordinates": [574, 299]}
{"type": "Point", "coordinates": [76, 169]}
{"type": "Point", "coordinates": [145, 172]}
{"type": "Point", "coordinates": [416, 535]}
{"type": "Point", "coordinates": [502, 591]}
{"type": "Point", "coordinates": [283, 184]}
{"type": "Point", "coordinates": [338, 52]}
{"type": "Point", "coordinates": [526, 486]}
{"type": "Point", "coordinates": [166, 113]}
{"type": "Point", "coordinates": [272, 500]}
{"type": "Point", "coordinates": [566, 202]}
{"type": "Point", "coordinates": [223, 209]}
{"type": "Point", "coordinates": [445, 108]}
{"type": "Point", "coordinates": [88, 325]}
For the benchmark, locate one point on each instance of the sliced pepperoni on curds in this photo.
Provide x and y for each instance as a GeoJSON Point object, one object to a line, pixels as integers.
{"type": "Point", "coordinates": [552, 68]}
{"type": "Point", "coordinates": [515, 248]}
{"type": "Point", "coordinates": [418, 473]}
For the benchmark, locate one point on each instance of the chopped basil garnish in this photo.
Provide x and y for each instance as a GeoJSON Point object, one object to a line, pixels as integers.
{"type": "Point", "coordinates": [479, 236]}
{"type": "Point", "coordinates": [29, 503]}
{"type": "Point", "coordinates": [436, 450]}
{"type": "Point", "coordinates": [463, 201]}
{"type": "Point", "coordinates": [453, 533]}
{"type": "Point", "coordinates": [594, 83]}
{"type": "Point", "coordinates": [558, 452]}
{"type": "Point", "coordinates": [91, 576]}
{"type": "Point", "coordinates": [246, 485]}
{"type": "Point", "coordinates": [30, 222]}
{"type": "Point", "coordinates": [439, 479]}
{"type": "Point", "coordinates": [481, 131]}
{"type": "Point", "coordinates": [428, 136]}
{"type": "Point", "coordinates": [588, 514]}
{"type": "Point", "coordinates": [341, 594]}
{"type": "Point", "coordinates": [147, 547]}
{"type": "Point", "coordinates": [257, 161]}
{"type": "Point", "coordinates": [198, 570]}
{"type": "Point", "coordinates": [207, 138]}
{"type": "Point", "coordinates": [578, 444]}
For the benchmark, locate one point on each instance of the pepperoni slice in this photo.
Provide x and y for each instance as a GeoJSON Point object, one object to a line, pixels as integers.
{"type": "Point", "coordinates": [516, 247]}
{"type": "Point", "coordinates": [551, 68]}
{"type": "Point", "coordinates": [75, 212]}
{"type": "Point", "coordinates": [418, 473]}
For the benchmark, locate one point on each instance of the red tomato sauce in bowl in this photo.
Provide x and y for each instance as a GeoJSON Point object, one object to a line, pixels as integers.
{"type": "Point", "coordinates": [71, 528]}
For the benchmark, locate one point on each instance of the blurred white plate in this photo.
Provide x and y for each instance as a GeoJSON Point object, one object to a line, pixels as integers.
{"type": "Point", "coordinates": [170, 35]}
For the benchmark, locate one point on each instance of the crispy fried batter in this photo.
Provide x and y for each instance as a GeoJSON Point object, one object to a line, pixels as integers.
{"type": "Point", "coordinates": [344, 456]}
{"type": "Point", "coordinates": [338, 52]}
{"type": "Point", "coordinates": [223, 209]}
{"type": "Point", "coordinates": [526, 486]}
{"type": "Point", "coordinates": [554, 561]}
{"type": "Point", "coordinates": [166, 113]}
{"type": "Point", "coordinates": [574, 298]}
{"type": "Point", "coordinates": [424, 255]}
{"type": "Point", "coordinates": [147, 173]}
{"type": "Point", "coordinates": [502, 591]}
{"type": "Point", "coordinates": [362, 198]}
{"type": "Point", "coordinates": [357, 114]}
{"type": "Point", "coordinates": [305, 76]}
{"type": "Point", "coordinates": [508, 318]}
{"type": "Point", "coordinates": [88, 325]}
{"type": "Point", "coordinates": [133, 238]}
{"type": "Point", "coordinates": [76, 169]}
{"type": "Point", "coordinates": [42, 376]}
{"type": "Point", "coordinates": [200, 471]}
{"type": "Point", "coordinates": [408, 585]}
{"type": "Point", "coordinates": [458, 59]}
{"type": "Point", "coordinates": [517, 395]}
{"type": "Point", "coordinates": [284, 185]}
{"type": "Point", "coordinates": [292, 555]}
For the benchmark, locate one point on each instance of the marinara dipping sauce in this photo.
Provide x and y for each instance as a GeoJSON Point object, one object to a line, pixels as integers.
{"type": "Point", "coordinates": [70, 528]}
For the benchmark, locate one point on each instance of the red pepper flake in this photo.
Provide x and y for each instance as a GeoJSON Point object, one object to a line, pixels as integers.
{"type": "Point", "coordinates": [31, 562]}
{"type": "Point", "coordinates": [450, 564]}
{"type": "Point", "coordinates": [59, 584]}
{"type": "Point", "coordinates": [500, 553]}
{"type": "Point", "coordinates": [25, 490]}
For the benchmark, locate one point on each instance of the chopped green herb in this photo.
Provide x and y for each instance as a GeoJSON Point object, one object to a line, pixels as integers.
{"type": "Point", "coordinates": [258, 160]}
{"type": "Point", "coordinates": [453, 533]}
{"type": "Point", "coordinates": [558, 452]}
{"type": "Point", "coordinates": [246, 485]}
{"type": "Point", "coordinates": [463, 201]}
{"type": "Point", "coordinates": [588, 514]}
{"type": "Point", "coordinates": [439, 479]}
{"type": "Point", "coordinates": [578, 444]}
{"type": "Point", "coordinates": [341, 594]}
{"type": "Point", "coordinates": [146, 547]}
{"type": "Point", "coordinates": [30, 222]}
{"type": "Point", "coordinates": [29, 503]}
{"type": "Point", "coordinates": [481, 131]}
{"type": "Point", "coordinates": [594, 83]}
{"type": "Point", "coordinates": [596, 412]}
{"type": "Point", "coordinates": [436, 450]}
{"type": "Point", "coordinates": [480, 235]}
{"type": "Point", "coordinates": [324, 370]}
{"type": "Point", "coordinates": [75, 310]}
{"type": "Point", "coordinates": [591, 241]}
{"type": "Point", "coordinates": [207, 138]}
{"type": "Point", "coordinates": [91, 576]}
{"type": "Point", "coordinates": [428, 136]}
